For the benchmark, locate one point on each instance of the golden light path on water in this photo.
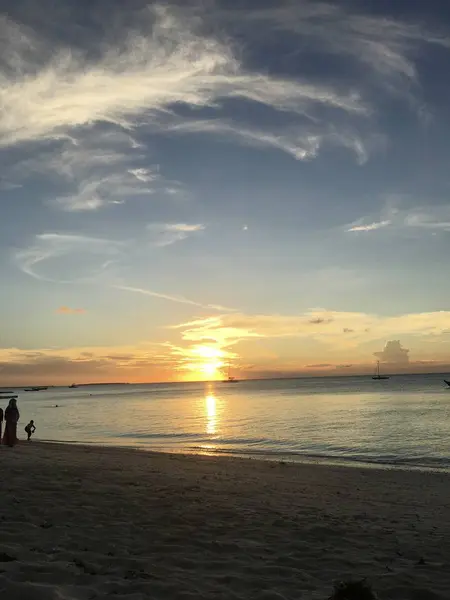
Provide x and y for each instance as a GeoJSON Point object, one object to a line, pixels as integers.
{"type": "Point", "coordinates": [211, 414]}
{"type": "Point", "coordinates": [212, 410]}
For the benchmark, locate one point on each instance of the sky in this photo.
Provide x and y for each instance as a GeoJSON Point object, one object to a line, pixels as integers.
{"type": "Point", "coordinates": [263, 186]}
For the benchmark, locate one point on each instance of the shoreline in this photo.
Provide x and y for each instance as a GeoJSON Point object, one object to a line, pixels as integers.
{"type": "Point", "coordinates": [300, 459]}
{"type": "Point", "coordinates": [83, 522]}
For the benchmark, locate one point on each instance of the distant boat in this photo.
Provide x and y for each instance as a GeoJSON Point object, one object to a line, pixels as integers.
{"type": "Point", "coordinates": [35, 389]}
{"type": "Point", "coordinates": [447, 382]}
{"type": "Point", "coordinates": [377, 373]}
{"type": "Point", "coordinates": [230, 378]}
{"type": "Point", "coordinates": [73, 385]}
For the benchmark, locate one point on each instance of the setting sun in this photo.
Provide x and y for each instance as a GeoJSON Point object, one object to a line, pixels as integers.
{"type": "Point", "coordinates": [211, 369]}
{"type": "Point", "coordinates": [206, 363]}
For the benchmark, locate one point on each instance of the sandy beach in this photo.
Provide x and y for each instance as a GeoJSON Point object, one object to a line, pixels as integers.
{"type": "Point", "coordinates": [84, 523]}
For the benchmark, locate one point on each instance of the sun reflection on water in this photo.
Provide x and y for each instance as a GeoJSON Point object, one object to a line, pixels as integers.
{"type": "Point", "coordinates": [211, 414]}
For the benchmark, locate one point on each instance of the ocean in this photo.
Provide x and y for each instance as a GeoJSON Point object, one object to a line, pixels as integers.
{"type": "Point", "coordinates": [403, 421]}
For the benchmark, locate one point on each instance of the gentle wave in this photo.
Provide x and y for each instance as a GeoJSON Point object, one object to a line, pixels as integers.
{"type": "Point", "coordinates": [201, 436]}
{"type": "Point", "coordinates": [385, 462]}
{"type": "Point", "coordinates": [427, 463]}
{"type": "Point", "coordinates": [267, 448]}
{"type": "Point", "coordinates": [162, 436]}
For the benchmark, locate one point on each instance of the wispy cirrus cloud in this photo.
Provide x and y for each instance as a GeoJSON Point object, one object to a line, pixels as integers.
{"type": "Point", "coordinates": [345, 328]}
{"type": "Point", "coordinates": [166, 234]}
{"type": "Point", "coordinates": [65, 97]}
{"type": "Point", "coordinates": [171, 298]}
{"type": "Point", "coordinates": [98, 192]}
{"type": "Point", "coordinates": [370, 226]}
{"type": "Point", "coordinates": [67, 258]}
{"type": "Point", "coordinates": [384, 48]}
{"type": "Point", "coordinates": [432, 218]}
{"type": "Point", "coordinates": [425, 219]}
{"type": "Point", "coordinates": [137, 78]}
{"type": "Point", "coordinates": [55, 255]}
{"type": "Point", "coordinates": [80, 110]}
{"type": "Point", "coordinates": [301, 142]}
{"type": "Point", "coordinates": [97, 168]}
{"type": "Point", "coordinates": [80, 151]}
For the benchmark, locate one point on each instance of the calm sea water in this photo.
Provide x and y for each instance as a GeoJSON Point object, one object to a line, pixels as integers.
{"type": "Point", "coordinates": [401, 421]}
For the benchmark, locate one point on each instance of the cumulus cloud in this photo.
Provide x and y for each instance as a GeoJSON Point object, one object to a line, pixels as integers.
{"type": "Point", "coordinates": [394, 353]}
{"type": "Point", "coordinates": [66, 310]}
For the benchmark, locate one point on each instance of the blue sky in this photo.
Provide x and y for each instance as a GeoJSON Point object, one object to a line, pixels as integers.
{"type": "Point", "coordinates": [186, 187]}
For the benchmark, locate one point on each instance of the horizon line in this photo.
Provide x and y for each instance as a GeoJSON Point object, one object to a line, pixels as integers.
{"type": "Point", "coordinates": [244, 379]}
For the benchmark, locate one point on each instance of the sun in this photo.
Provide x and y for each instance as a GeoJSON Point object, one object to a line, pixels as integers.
{"type": "Point", "coordinates": [206, 363]}
{"type": "Point", "coordinates": [211, 369]}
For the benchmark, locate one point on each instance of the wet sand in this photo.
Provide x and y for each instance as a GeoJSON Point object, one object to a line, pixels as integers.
{"type": "Point", "coordinates": [85, 523]}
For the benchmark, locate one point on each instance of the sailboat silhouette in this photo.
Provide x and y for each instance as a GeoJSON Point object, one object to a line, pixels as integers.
{"type": "Point", "coordinates": [377, 373]}
{"type": "Point", "coordinates": [230, 378]}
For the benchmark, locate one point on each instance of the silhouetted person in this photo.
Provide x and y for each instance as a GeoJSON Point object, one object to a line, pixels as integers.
{"type": "Point", "coordinates": [30, 429]}
{"type": "Point", "coordinates": [12, 417]}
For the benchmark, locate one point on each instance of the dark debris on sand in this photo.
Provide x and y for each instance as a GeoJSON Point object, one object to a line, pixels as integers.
{"type": "Point", "coordinates": [353, 590]}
